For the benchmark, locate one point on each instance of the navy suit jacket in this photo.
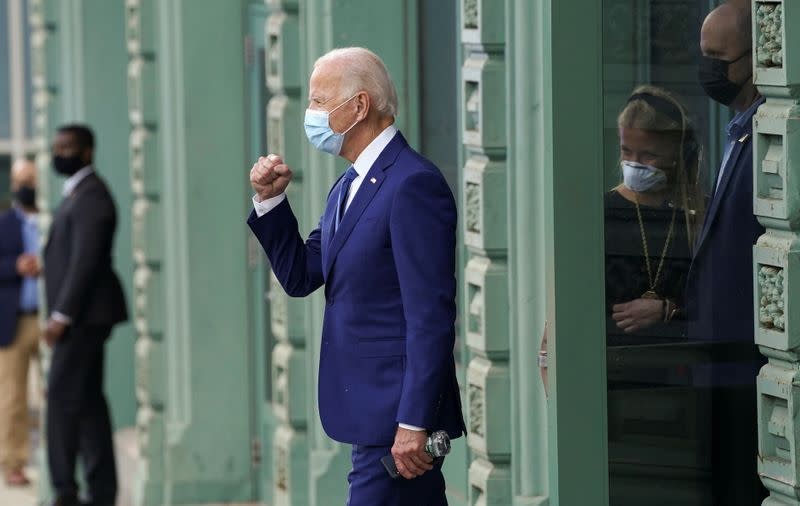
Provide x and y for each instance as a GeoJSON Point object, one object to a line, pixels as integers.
{"type": "Point", "coordinates": [389, 274]}
{"type": "Point", "coordinates": [720, 282]}
{"type": "Point", "coordinates": [11, 247]}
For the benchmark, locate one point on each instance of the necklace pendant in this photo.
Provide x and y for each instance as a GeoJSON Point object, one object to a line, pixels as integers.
{"type": "Point", "coordinates": [651, 294]}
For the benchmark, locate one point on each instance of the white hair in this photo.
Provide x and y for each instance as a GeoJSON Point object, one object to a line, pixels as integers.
{"type": "Point", "coordinates": [363, 70]}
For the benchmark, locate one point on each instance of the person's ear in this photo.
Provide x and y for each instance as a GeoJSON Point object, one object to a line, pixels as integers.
{"type": "Point", "coordinates": [362, 105]}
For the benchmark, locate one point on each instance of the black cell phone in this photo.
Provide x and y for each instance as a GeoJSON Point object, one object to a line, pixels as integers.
{"type": "Point", "coordinates": [391, 468]}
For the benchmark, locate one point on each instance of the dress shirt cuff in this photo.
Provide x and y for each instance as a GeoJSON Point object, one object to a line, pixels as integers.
{"type": "Point", "coordinates": [268, 205]}
{"type": "Point", "coordinates": [411, 427]}
{"type": "Point", "coordinates": [61, 318]}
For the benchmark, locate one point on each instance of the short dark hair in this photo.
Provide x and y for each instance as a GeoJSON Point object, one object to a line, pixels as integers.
{"type": "Point", "coordinates": [82, 133]}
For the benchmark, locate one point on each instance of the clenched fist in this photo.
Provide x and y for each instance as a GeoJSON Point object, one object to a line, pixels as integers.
{"type": "Point", "coordinates": [270, 177]}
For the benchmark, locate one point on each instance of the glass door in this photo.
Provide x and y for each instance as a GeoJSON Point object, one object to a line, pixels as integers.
{"type": "Point", "coordinates": [681, 397]}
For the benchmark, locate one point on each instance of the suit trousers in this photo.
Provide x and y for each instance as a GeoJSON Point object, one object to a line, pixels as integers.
{"type": "Point", "coordinates": [78, 421]}
{"type": "Point", "coordinates": [14, 421]}
{"type": "Point", "coordinates": [371, 485]}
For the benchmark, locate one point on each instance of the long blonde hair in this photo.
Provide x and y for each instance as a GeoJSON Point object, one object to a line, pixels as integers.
{"type": "Point", "coordinates": [643, 113]}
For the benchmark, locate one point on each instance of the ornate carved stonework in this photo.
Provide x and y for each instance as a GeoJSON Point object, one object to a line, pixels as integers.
{"type": "Point", "coordinates": [471, 14]}
{"type": "Point", "coordinates": [472, 196]}
{"type": "Point", "coordinates": [769, 42]}
{"type": "Point", "coordinates": [476, 409]}
{"type": "Point", "coordinates": [772, 302]}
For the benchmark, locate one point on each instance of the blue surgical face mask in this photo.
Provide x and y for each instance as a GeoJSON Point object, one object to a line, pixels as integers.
{"type": "Point", "coordinates": [319, 131]}
{"type": "Point", "coordinates": [643, 178]}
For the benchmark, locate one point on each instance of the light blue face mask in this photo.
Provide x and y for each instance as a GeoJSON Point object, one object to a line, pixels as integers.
{"type": "Point", "coordinates": [643, 178]}
{"type": "Point", "coordinates": [319, 132]}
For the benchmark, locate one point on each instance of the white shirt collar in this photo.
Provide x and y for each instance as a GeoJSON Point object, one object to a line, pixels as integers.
{"type": "Point", "coordinates": [371, 153]}
{"type": "Point", "coordinates": [74, 180]}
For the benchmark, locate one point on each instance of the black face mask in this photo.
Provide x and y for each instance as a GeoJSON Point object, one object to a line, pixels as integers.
{"type": "Point", "coordinates": [713, 76]}
{"type": "Point", "coordinates": [67, 166]}
{"type": "Point", "coordinates": [26, 196]}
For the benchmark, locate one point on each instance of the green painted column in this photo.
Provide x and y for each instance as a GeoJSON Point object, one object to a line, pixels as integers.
{"type": "Point", "coordinates": [484, 218]}
{"type": "Point", "coordinates": [189, 178]}
{"type": "Point", "coordinates": [776, 256]}
{"type": "Point", "coordinates": [526, 22]}
{"type": "Point", "coordinates": [46, 92]}
{"type": "Point", "coordinates": [290, 361]}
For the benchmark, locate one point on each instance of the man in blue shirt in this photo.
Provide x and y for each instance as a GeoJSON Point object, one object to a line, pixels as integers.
{"type": "Point", "coordinates": [19, 332]}
{"type": "Point", "coordinates": [720, 281]}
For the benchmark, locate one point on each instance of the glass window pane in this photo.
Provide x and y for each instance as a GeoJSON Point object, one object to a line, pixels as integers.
{"type": "Point", "coordinates": [681, 359]}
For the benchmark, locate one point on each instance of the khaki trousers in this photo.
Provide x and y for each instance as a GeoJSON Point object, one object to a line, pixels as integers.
{"type": "Point", "coordinates": [14, 424]}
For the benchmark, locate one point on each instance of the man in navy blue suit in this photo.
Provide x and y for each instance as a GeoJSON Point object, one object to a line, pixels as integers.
{"type": "Point", "coordinates": [385, 251]}
{"type": "Point", "coordinates": [720, 281]}
{"type": "Point", "coordinates": [19, 328]}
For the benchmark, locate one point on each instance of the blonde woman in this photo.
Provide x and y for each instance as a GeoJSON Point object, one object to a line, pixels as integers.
{"type": "Point", "coordinates": [652, 216]}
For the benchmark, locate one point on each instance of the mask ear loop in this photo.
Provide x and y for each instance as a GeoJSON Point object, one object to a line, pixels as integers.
{"type": "Point", "coordinates": [338, 106]}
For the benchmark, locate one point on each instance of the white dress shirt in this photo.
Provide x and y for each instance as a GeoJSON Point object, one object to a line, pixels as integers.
{"type": "Point", "coordinates": [70, 184]}
{"type": "Point", "coordinates": [362, 165]}
{"type": "Point", "coordinates": [74, 180]}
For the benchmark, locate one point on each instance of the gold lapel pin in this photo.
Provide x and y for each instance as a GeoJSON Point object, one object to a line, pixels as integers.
{"type": "Point", "coordinates": [373, 180]}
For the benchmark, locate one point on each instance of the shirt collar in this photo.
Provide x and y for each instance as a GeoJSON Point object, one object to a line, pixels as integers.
{"type": "Point", "coordinates": [743, 120]}
{"type": "Point", "coordinates": [371, 153]}
{"type": "Point", "coordinates": [25, 217]}
{"type": "Point", "coordinates": [74, 180]}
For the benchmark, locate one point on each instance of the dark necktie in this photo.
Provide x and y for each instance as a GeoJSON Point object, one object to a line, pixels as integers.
{"type": "Point", "coordinates": [347, 180]}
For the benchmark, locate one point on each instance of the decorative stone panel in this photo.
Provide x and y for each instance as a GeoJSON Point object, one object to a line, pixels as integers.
{"type": "Point", "coordinates": [777, 265]}
{"type": "Point", "coordinates": [487, 324]}
{"type": "Point", "coordinates": [490, 484]}
{"type": "Point", "coordinates": [142, 97]}
{"type": "Point", "coordinates": [776, 42]}
{"type": "Point", "coordinates": [140, 25]}
{"type": "Point", "coordinates": [484, 119]}
{"type": "Point", "coordinates": [148, 302]}
{"type": "Point", "coordinates": [284, 120]}
{"type": "Point", "coordinates": [283, 66]}
{"type": "Point", "coordinates": [290, 463]}
{"type": "Point", "coordinates": [778, 393]}
{"type": "Point", "coordinates": [288, 315]}
{"type": "Point", "coordinates": [777, 148]}
{"type": "Point", "coordinates": [485, 205]}
{"type": "Point", "coordinates": [145, 178]}
{"type": "Point", "coordinates": [483, 22]}
{"type": "Point", "coordinates": [151, 377]}
{"type": "Point", "coordinates": [148, 233]}
{"type": "Point", "coordinates": [288, 385]}
{"type": "Point", "coordinates": [489, 397]}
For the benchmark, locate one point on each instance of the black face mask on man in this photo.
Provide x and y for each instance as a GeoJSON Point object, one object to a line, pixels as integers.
{"type": "Point", "coordinates": [67, 165]}
{"type": "Point", "coordinates": [26, 196]}
{"type": "Point", "coordinates": [713, 76]}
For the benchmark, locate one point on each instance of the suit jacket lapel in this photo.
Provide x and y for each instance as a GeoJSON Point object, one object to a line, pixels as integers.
{"type": "Point", "coordinates": [369, 187]}
{"type": "Point", "coordinates": [730, 168]}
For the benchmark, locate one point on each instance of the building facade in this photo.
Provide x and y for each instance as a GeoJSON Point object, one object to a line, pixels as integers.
{"type": "Point", "coordinates": [516, 101]}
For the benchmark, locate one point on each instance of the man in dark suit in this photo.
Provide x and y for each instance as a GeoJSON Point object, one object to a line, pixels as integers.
{"type": "Point", "coordinates": [85, 300]}
{"type": "Point", "coordinates": [385, 252]}
{"type": "Point", "coordinates": [720, 281]}
{"type": "Point", "coordinates": [19, 328]}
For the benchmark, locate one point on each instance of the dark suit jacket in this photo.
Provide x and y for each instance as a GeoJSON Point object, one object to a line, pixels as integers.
{"type": "Point", "coordinates": [389, 276]}
{"type": "Point", "coordinates": [79, 278]}
{"type": "Point", "coordinates": [11, 247]}
{"type": "Point", "coordinates": [720, 281]}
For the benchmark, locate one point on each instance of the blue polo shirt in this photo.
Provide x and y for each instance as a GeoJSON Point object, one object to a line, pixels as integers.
{"type": "Point", "coordinates": [29, 294]}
